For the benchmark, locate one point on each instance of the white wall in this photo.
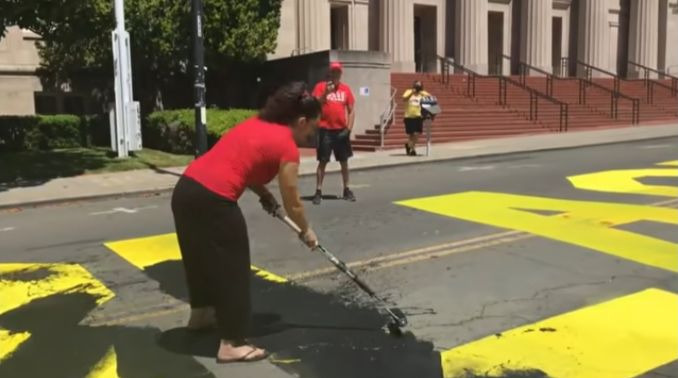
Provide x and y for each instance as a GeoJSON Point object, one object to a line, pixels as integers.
{"type": "Point", "coordinates": [672, 38]}
{"type": "Point", "coordinates": [287, 34]}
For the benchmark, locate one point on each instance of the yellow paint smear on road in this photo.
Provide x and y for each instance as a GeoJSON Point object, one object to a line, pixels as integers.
{"type": "Point", "coordinates": [107, 367]}
{"type": "Point", "coordinates": [151, 250]}
{"type": "Point", "coordinates": [584, 223]}
{"type": "Point", "coordinates": [623, 337]}
{"type": "Point", "coordinates": [626, 181]}
{"type": "Point", "coordinates": [22, 283]}
{"type": "Point", "coordinates": [50, 279]}
{"type": "Point", "coordinates": [9, 342]}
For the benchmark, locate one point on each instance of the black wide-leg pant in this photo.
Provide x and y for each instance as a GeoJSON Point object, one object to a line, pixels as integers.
{"type": "Point", "coordinates": [215, 251]}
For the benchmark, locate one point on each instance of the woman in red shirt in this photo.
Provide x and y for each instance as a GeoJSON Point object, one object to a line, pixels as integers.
{"type": "Point", "coordinates": [210, 226]}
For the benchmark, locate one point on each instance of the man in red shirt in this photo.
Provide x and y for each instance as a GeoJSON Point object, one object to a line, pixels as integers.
{"type": "Point", "coordinates": [334, 128]}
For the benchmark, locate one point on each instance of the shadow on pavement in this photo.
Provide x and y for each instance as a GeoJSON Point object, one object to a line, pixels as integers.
{"type": "Point", "coordinates": [59, 347]}
{"type": "Point", "coordinates": [310, 334]}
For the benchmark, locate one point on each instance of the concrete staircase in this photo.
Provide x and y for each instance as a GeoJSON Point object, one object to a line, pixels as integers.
{"type": "Point", "coordinates": [482, 116]}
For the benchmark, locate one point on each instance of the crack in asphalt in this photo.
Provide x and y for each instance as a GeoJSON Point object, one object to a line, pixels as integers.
{"type": "Point", "coordinates": [538, 295]}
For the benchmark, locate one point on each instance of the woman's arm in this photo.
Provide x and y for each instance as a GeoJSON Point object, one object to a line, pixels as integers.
{"type": "Point", "coordinates": [288, 178]}
{"type": "Point", "coordinates": [261, 190]}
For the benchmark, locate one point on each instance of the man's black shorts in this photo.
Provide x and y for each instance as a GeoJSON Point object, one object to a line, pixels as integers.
{"type": "Point", "coordinates": [334, 141]}
{"type": "Point", "coordinates": [414, 125]}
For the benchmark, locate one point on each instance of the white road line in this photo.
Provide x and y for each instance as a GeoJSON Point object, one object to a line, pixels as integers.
{"type": "Point", "coordinates": [655, 146]}
{"type": "Point", "coordinates": [124, 210]}
{"type": "Point", "coordinates": [7, 229]}
{"type": "Point", "coordinates": [518, 166]}
{"type": "Point", "coordinates": [476, 168]}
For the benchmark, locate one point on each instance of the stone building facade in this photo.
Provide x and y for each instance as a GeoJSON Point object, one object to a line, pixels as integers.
{"type": "Point", "coordinates": [487, 36]}
{"type": "Point", "coordinates": [479, 34]}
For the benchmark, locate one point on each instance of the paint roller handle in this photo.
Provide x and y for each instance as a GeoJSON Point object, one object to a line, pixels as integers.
{"type": "Point", "coordinates": [290, 223]}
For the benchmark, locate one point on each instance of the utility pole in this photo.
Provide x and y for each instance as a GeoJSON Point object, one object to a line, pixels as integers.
{"type": "Point", "coordinates": [125, 115]}
{"type": "Point", "coordinates": [199, 78]}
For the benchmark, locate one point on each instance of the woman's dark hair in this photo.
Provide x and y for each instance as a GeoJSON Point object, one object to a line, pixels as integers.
{"type": "Point", "coordinates": [290, 102]}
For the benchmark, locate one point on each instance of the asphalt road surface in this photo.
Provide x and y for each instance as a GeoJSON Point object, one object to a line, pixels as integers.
{"type": "Point", "coordinates": [559, 263]}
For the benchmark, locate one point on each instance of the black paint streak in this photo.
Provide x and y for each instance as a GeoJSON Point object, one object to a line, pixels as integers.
{"type": "Point", "coordinates": [547, 329]}
{"type": "Point", "coordinates": [26, 275]}
{"type": "Point", "coordinates": [330, 337]}
{"type": "Point", "coordinates": [506, 373]}
{"type": "Point", "coordinates": [59, 347]}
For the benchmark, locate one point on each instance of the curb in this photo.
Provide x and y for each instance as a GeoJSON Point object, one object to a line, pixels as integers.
{"type": "Point", "coordinates": [159, 191]}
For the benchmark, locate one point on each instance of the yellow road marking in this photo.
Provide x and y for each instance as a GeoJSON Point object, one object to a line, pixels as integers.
{"type": "Point", "coordinates": [18, 288]}
{"type": "Point", "coordinates": [672, 163]}
{"type": "Point", "coordinates": [9, 342]}
{"type": "Point", "coordinates": [626, 181]}
{"type": "Point", "coordinates": [624, 337]}
{"type": "Point", "coordinates": [376, 262]}
{"type": "Point", "coordinates": [107, 367]}
{"type": "Point", "coordinates": [151, 250]}
{"type": "Point", "coordinates": [60, 278]}
{"type": "Point", "coordinates": [164, 247]}
{"type": "Point", "coordinates": [584, 223]}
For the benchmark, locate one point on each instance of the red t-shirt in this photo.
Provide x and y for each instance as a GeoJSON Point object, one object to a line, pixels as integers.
{"type": "Point", "coordinates": [248, 154]}
{"type": "Point", "coordinates": [334, 111]}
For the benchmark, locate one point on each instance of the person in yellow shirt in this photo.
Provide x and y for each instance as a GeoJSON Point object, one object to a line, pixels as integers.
{"type": "Point", "coordinates": [414, 122]}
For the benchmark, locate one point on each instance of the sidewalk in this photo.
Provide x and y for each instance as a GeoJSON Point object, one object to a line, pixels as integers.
{"type": "Point", "coordinates": [153, 181]}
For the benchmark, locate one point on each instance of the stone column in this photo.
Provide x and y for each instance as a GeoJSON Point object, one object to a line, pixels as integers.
{"type": "Point", "coordinates": [594, 34]}
{"type": "Point", "coordinates": [643, 35]}
{"type": "Point", "coordinates": [470, 48]}
{"type": "Point", "coordinates": [536, 30]}
{"type": "Point", "coordinates": [313, 25]}
{"type": "Point", "coordinates": [359, 17]}
{"type": "Point", "coordinates": [397, 33]}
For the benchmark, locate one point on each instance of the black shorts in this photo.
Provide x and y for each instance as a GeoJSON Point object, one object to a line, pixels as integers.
{"type": "Point", "coordinates": [414, 125]}
{"type": "Point", "coordinates": [334, 141]}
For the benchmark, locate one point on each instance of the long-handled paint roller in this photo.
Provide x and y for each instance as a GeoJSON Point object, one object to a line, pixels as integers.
{"type": "Point", "coordinates": [398, 318]}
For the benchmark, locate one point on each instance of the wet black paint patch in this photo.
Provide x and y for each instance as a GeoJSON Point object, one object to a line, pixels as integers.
{"type": "Point", "coordinates": [27, 274]}
{"type": "Point", "coordinates": [310, 334]}
{"type": "Point", "coordinates": [59, 347]}
{"type": "Point", "coordinates": [506, 373]}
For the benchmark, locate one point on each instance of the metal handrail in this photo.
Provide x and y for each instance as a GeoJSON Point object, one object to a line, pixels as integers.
{"type": "Point", "coordinates": [535, 95]}
{"type": "Point", "coordinates": [503, 84]}
{"type": "Point", "coordinates": [564, 67]}
{"type": "Point", "coordinates": [524, 68]}
{"type": "Point", "coordinates": [646, 76]}
{"type": "Point", "coordinates": [614, 99]}
{"type": "Point", "coordinates": [387, 116]}
{"type": "Point", "coordinates": [446, 63]}
{"type": "Point", "coordinates": [588, 73]}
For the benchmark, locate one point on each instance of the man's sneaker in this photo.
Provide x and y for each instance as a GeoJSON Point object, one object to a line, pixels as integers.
{"type": "Point", "coordinates": [348, 195]}
{"type": "Point", "coordinates": [317, 197]}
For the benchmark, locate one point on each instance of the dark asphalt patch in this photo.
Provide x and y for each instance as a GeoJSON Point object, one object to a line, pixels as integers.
{"type": "Point", "coordinates": [310, 334]}
{"type": "Point", "coordinates": [59, 347]}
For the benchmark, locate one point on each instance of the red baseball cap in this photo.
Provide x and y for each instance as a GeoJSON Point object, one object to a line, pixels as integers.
{"type": "Point", "coordinates": [336, 66]}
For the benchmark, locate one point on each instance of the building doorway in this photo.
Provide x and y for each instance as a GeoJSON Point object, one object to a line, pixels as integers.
{"type": "Point", "coordinates": [339, 27]}
{"type": "Point", "coordinates": [425, 38]}
{"type": "Point", "coordinates": [557, 46]}
{"type": "Point", "coordinates": [495, 42]}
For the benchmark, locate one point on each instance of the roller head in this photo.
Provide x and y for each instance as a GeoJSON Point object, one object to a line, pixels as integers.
{"type": "Point", "coordinates": [394, 328]}
{"type": "Point", "coordinates": [399, 317]}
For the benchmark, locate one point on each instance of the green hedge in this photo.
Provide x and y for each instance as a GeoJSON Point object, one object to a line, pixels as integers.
{"type": "Point", "coordinates": [170, 131]}
{"type": "Point", "coordinates": [21, 133]}
{"type": "Point", "coordinates": [174, 130]}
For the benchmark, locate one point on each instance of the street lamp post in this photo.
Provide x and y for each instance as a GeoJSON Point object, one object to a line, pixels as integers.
{"type": "Point", "coordinates": [199, 78]}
